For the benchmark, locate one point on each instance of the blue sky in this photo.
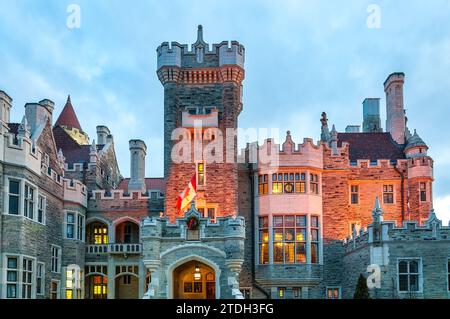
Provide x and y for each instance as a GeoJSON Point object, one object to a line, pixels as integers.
{"type": "Point", "coordinates": [302, 58]}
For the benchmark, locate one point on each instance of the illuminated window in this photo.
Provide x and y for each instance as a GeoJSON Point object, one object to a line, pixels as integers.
{"type": "Point", "coordinates": [333, 293]}
{"type": "Point", "coordinates": [263, 185]}
{"type": "Point", "coordinates": [289, 239]}
{"type": "Point", "coordinates": [423, 192]}
{"type": "Point", "coordinates": [100, 287]}
{"type": "Point", "coordinates": [73, 282]}
{"type": "Point", "coordinates": [277, 183]}
{"type": "Point", "coordinates": [354, 194]}
{"type": "Point", "coordinates": [314, 183]}
{"type": "Point", "coordinates": [200, 174]}
{"type": "Point", "coordinates": [388, 194]}
{"type": "Point", "coordinates": [100, 234]}
{"type": "Point", "coordinates": [409, 275]}
{"type": "Point", "coordinates": [300, 183]}
{"type": "Point", "coordinates": [263, 240]}
{"type": "Point", "coordinates": [14, 195]}
{"type": "Point", "coordinates": [281, 293]}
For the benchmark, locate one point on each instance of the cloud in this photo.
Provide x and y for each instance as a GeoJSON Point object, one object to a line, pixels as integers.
{"type": "Point", "coordinates": [442, 208]}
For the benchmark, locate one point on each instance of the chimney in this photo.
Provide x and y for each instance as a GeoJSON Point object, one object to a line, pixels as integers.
{"type": "Point", "coordinates": [352, 129]}
{"type": "Point", "coordinates": [138, 150]}
{"type": "Point", "coordinates": [102, 134]}
{"type": "Point", "coordinates": [38, 113]}
{"type": "Point", "coordinates": [395, 122]}
{"type": "Point", "coordinates": [371, 115]}
{"type": "Point", "coordinates": [5, 107]}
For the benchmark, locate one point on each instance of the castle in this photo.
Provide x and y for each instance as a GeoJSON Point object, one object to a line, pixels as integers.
{"type": "Point", "coordinates": [305, 225]}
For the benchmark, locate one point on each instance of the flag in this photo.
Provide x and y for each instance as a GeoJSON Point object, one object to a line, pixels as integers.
{"type": "Point", "coordinates": [187, 195]}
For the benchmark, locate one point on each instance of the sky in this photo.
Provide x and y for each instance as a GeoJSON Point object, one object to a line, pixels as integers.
{"type": "Point", "coordinates": [302, 58]}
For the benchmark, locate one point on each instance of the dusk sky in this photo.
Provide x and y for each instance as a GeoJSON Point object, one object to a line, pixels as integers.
{"type": "Point", "coordinates": [302, 58]}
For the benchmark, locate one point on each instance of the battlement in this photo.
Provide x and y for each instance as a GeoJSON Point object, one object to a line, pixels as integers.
{"type": "Point", "coordinates": [118, 194]}
{"type": "Point", "coordinates": [21, 150]}
{"type": "Point", "coordinates": [420, 167]}
{"type": "Point", "coordinates": [385, 232]}
{"type": "Point", "coordinates": [199, 54]}
{"type": "Point", "coordinates": [75, 191]}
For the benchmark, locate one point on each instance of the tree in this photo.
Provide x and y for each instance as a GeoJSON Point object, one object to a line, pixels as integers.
{"type": "Point", "coordinates": [362, 291]}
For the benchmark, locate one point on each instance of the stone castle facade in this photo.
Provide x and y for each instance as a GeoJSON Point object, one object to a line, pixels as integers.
{"type": "Point", "coordinates": [305, 225]}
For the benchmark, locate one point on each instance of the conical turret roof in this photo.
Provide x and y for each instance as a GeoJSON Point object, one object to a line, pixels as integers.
{"type": "Point", "coordinates": [68, 117]}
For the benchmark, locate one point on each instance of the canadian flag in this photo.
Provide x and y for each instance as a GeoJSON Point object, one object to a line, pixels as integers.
{"type": "Point", "coordinates": [187, 195]}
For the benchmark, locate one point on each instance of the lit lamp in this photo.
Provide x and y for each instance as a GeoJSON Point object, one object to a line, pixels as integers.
{"type": "Point", "coordinates": [197, 274]}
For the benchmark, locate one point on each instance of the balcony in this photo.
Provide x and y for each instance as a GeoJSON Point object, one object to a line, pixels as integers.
{"type": "Point", "coordinates": [200, 120]}
{"type": "Point", "coordinates": [135, 248]}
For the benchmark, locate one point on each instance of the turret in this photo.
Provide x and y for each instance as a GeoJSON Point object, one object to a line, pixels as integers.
{"type": "Point", "coordinates": [138, 151]}
{"type": "Point", "coordinates": [38, 113]}
{"type": "Point", "coordinates": [102, 134]}
{"type": "Point", "coordinates": [415, 146]}
{"type": "Point", "coordinates": [5, 108]}
{"type": "Point", "coordinates": [396, 120]}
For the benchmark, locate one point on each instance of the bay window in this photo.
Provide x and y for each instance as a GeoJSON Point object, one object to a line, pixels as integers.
{"type": "Point", "coordinates": [19, 274]}
{"type": "Point", "coordinates": [264, 240]}
{"type": "Point", "coordinates": [28, 201]}
{"type": "Point", "coordinates": [74, 225]}
{"type": "Point", "coordinates": [14, 195]}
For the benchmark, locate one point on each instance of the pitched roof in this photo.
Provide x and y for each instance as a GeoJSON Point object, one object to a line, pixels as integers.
{"type": "Point", "coordinates": [371, 146]}
{"type": "Point", "coordinates": [68, 117]}
{"type": "Point", "coordinates": [156, 183]}
{"type": "Point", "coordinates": [73, 152]}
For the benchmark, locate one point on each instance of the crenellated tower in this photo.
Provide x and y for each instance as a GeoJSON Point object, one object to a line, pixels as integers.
{"type": "Point", "coordinates": [202, 95]}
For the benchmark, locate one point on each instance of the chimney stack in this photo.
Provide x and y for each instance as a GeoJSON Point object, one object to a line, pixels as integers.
{"type": "Point", "coordinates": [371, 115]}
{"type": "Point", "coordinates": [138, 151]}
{"type": "Point", "coordinates": [5, 108]}
{"type": "Point", "coordinates": [38, 113]}
{"type": "Point", "coordinates": [102, 134]}
{"type": "Point", "coordinates": [395, 122]}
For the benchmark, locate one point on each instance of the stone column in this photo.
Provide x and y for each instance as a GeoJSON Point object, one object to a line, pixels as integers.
{"type": "Point", "coordinates": [111, 278]}
{"type": "Point", "coordinates": [153, 288]}
{"type": "Point", "coordinates": [234, 266]}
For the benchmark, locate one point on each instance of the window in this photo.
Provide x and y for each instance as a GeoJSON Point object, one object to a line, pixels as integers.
{"type": "Point", "coordinates": [100, 234]}
{"type": "Point", "coordinates": [409, 275]}
{"type": "Point", "coordinates": [12, 277]}
{"type": "Point", "coordinates": [277, 183]}
{"type": "Point", "coordinates": [127, 233]}
{"type": "Point", "coordinates": [28, 201]}
{"type": "Point", "coordinates": [314, 239]}
{"type": "Point", "coordinates": [73, 282]}
{"type": "Point", "coordinates": [264, 240]}
{"type": "Point", "coordinates": [27, 278]}
{"type": "Point", "coordinates": [56, 258]}
{"type": "Point", "coordinates": [127, 279]}
{"type": "Point", "coordinates": [289, 239]}
{"type": "Point", "coordinates": [448, 273]}
{"type": "Point", "coordinates": [300, 183]}
{"type": "Point", "coordinates": [281, 293]}
{"type": "Point", "coordinates": [388, 194]}
{"type": "Point", "coordinates": [70, 225]}
{"type": "Point", "coordinates": [314, 183]}
{"type": "Point", "coordinates": [200, 174]}
{"type": "Point", "coordinates": [423, 192]}
{"type": "Point", "coordinates": [333, 293]}
{"type": "Point", "coordinates": [80, 223]}
{"type": "Point", "coordinates": [41, 209]}
{"type": "Point", "coordinates": [100, 287]}
{"type": "Point", "coordinates": [40, 279]}
{"type": "Point", "coordinates": [354, 194]}
{"type": "Point", "coordinates": [296, 292]}
{"type": "Point", "coordinates": [263, 185]}
{"type": "Point", "coordinates": [54, 289]}
{"type": "Point", "coordinates": [14, 194]}
{"type": "Point", "coordinates": [212, 214]}
{"type": "Point", "coordinates": [246, 293]}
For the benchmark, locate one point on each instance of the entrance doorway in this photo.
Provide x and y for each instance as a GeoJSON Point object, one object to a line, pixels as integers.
{"type": "Point", "coordinates": [194, 280]}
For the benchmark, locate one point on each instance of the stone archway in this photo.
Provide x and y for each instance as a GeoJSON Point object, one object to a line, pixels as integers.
{"type": "Point", "coordinates": [194, 280]}
{"type": "Point", "coordinates": [193, 277]}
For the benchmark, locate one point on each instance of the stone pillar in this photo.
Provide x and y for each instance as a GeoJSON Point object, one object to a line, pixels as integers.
{"type": "Point", "coordinates": [111, 278]}
{"type": "Point", "coordinates": [305, 293]}
{"type": "Point", "coordinates": [153, 288]}
{"type": "Point", "coordinates": [142, 279]}
{"type": "Point", "coordinates": [138, 151]}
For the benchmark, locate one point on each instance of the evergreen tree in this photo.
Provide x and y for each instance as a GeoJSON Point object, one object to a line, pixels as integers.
{"type": "Point", "coordinates": [362, 291]}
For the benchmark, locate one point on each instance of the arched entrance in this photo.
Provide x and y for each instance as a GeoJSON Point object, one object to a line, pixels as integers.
{"type": "Point", "coordinates": [194, 280]}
